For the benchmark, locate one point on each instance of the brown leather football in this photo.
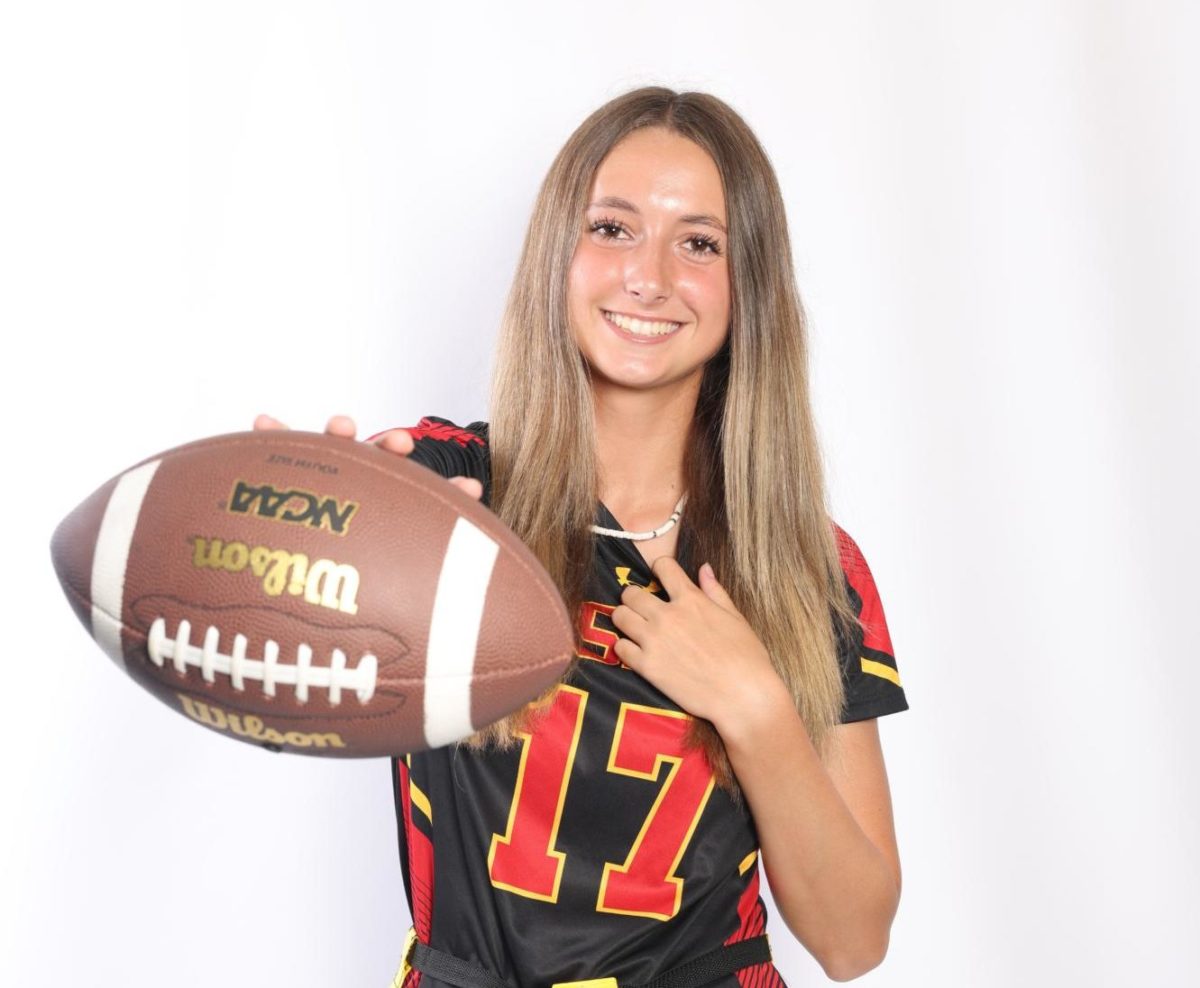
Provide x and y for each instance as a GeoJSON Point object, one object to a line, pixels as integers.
{"type": "Point", "coordinates": [312, 594]}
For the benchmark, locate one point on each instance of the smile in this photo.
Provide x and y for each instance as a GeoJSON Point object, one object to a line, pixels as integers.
{"type": "Point", "coordinates": [645, 328]}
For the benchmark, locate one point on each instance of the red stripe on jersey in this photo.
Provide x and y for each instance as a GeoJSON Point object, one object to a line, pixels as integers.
{"type": "Point", "coordinates": [752, 920]}
{"type": "Point", "coordinates": [420, 870]}
{"type": "Point", "coordinates": [750, 911]}
{"type": "Point", "coordinates": [875, 629]}
{"type": "Point", "coordinates": [429, 429]}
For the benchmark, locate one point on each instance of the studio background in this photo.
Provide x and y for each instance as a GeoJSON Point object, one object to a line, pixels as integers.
{"type": "Point", "coordinates": [215, 209]}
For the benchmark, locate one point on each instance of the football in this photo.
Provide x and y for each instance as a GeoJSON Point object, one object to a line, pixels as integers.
{"type": "Point", "coordinates": [312, 594]}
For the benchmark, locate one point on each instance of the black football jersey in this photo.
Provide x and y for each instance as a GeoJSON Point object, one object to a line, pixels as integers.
{"type": "Point", "coordinates": [600, 847]}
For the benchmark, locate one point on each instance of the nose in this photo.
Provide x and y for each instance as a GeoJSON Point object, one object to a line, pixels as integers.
{"type": "Point", "coordinates": [647, 274]}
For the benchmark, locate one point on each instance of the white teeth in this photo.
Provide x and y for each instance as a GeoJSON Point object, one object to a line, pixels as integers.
{"type": "Point", "coordinates": [642, 327]}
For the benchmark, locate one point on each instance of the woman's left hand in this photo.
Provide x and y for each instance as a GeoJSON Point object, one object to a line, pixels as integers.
{"type": "Point", "coordinates": [696, 647]}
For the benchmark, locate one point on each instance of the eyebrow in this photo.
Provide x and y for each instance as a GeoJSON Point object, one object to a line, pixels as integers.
{"type": "Point", "coordinates": [702, 219]}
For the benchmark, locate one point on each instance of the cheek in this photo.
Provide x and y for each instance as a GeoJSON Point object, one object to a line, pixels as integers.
{"type": "Point", "coordinates": [709, 295]}
{"type": "Point", "coordinates": [590, 276]}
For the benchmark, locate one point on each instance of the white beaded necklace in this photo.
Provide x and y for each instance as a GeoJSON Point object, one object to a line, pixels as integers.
{"type": "Point", "coordinates": [662, 529]}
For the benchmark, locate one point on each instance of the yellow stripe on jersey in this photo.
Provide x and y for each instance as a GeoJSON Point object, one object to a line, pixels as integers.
{"type": "Point", "coordinates": [747, 862]}
{"type": "Point", "coordinates": [420, 800]}
{"type": "Point", "coordinates": [874, 668]}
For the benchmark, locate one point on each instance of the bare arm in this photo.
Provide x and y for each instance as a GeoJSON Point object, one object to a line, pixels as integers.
{"type": "Point", "coordinates": [827, 835]}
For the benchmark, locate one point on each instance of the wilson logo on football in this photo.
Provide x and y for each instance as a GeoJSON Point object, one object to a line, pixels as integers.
{"type": "Point", "coordinates": [323, 582]}
{"type": "Point", "coordinates": [294, 506]}
{"type": "Point", "coordinates": [253, 729]}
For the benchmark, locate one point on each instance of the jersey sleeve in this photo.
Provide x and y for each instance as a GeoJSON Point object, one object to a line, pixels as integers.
{"type": "Point", "coordinates": [452, 451]}
{"type": "Point", "coordinates": [868, 662]}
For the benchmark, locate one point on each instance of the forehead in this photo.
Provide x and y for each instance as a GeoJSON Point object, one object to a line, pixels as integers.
{"type": "Point", "coordinates": [655, 168]}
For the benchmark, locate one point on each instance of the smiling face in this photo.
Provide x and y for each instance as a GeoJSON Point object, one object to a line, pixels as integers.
{"type": "Point", "coordinates": [648, 287]}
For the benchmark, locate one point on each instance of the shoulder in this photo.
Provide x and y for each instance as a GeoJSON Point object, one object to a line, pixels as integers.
{"type": "Point", "coordinates": [862, 583]}
{"type": "Point", "coordinates": [867, 658]}
{"type": "Point", "coordinates": [452, 450]}
{"type": "Point", "coordinates": [431, 427]}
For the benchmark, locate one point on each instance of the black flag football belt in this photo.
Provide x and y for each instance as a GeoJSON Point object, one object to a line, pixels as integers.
{"type": "Point", "coordinates": [695, 973]}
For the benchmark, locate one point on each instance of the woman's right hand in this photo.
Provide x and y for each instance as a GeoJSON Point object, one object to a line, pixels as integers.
{"type": "Point", "coordinates": [398, 441]}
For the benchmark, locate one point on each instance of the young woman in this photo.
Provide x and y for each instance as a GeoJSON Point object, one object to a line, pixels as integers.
{"type": "Point", "coordinates": [651, 440]}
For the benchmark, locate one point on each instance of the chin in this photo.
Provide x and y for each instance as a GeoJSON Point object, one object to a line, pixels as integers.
{"type": "Point", "coordinates": [643, 381]}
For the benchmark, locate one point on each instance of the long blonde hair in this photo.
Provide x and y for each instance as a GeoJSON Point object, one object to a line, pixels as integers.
{"type": "Point", "coordinates": [756, 504]}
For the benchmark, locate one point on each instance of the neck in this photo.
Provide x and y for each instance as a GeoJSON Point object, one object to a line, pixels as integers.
{"type": "Point", "coordinates": [640, 443]}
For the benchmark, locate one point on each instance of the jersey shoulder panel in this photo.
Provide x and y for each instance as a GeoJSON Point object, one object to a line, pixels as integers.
{"type": "Point", "coordinates": [867, 657]}
{"type": "Point", "coordinates": [451, 450]}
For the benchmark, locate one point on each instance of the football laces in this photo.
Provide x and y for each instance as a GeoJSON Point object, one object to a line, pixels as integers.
{"type": "Point", "coordinates": [302, 675]}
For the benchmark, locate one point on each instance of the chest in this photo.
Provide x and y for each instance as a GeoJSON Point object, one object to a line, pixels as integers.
{"type": "Point", "coordinates": [664, 545]}
{"type": "Point", "coordinates": [631, 520]}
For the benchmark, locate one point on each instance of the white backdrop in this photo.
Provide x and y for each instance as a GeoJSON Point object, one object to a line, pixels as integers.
{"type": "Point", "coordinates": [214, 209]}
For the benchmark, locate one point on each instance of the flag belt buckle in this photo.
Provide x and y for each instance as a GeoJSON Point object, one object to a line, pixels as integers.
{"type": "Point", "coordinates": [589, 983]}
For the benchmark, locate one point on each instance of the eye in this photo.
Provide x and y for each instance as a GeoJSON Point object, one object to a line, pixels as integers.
{"type": "Point", "coordinates": [607, 228]}
{"type": "Point", "coordinates": [702, 243]}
